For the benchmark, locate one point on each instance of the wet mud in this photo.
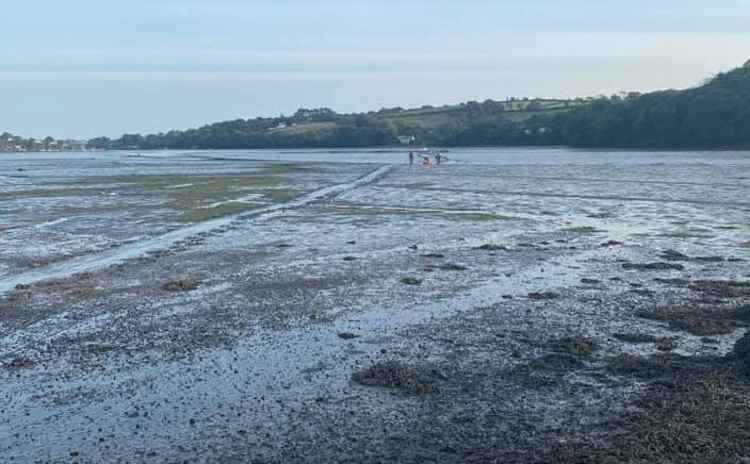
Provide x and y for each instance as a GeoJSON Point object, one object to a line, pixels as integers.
{"type": "Point", "coordinates": [369, 312]}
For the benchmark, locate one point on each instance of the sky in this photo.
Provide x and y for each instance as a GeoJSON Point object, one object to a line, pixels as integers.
{"type": "Point", "coordinates": [86, 68]}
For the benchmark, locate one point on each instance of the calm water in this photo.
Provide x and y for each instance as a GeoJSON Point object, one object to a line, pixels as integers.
{"type": "Point", "coordinates": [9, 162]}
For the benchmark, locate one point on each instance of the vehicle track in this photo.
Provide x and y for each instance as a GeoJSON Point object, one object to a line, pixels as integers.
{"type": "Point", "coordinates": [115, 256]}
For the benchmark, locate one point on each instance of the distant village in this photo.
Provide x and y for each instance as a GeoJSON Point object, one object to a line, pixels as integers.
{"type": "Point", "coordinates": [14, 143]}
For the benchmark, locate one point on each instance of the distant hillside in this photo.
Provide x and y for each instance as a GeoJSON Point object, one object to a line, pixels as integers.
{"type": "Point", "coordinates": [488, 122]}
{"type": "Point", "coordinates": [714, 115]}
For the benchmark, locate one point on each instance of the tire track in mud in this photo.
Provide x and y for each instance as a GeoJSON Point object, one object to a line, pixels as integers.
{"type": "Point", "coordinates": [102, 260]}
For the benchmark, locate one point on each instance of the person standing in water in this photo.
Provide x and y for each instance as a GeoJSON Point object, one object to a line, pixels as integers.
{"type": "Point", "coordinates": [438, 158]}
{"type": "Point", "coordinates": [411, 158]}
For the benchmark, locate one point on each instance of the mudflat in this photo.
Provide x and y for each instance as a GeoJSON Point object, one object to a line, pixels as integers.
{"type": "Point", "coordinates": [314, 306]}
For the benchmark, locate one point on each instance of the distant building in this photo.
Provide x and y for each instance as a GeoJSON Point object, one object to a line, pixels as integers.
{"type": "Point", "coordinates": [74, 145]}
{"type": "Point", "coordinates": [406, 139]}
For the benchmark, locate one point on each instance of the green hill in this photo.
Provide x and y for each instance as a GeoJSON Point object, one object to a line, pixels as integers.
{"type": "Point", "coordinates": [713, 115]}
{"type": "Point", "coordinates": [322, 127]}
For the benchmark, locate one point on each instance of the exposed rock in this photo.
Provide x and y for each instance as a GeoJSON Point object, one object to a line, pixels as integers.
{"type": "Point", "coordinates": [611, 243]}
{"type": "Point", "coordinates": [349, 258]}
{"type": "Point", "coordinates": [543, 296]}
{"type": "Point", "coordinates": [576, 346]}
{"type": "Point", "coordinates": [347, 335]}
{"type": "Point", "coordinates": [452, 267]}
{"type": "Point", "coordinates": [434, 255]}
{"type": "Point", "coordinates": [19, 363]}
{"type": "Point", "coordinates": [411, 281]}
{"type": "Point", "coordinates": [393, 374]}
{"type": "Point", "coordinates": [492, 247]}
{"type": "Point", "coordinates": [590, 281]}
{"type": "Point", "coordinates": [181, 286]}
{"type": "Point", "coordinates": [667, 344]}
{"type": "Point", "coordinates": [673, 255]}
{"type": "Point", "coordinates": [653, 267]}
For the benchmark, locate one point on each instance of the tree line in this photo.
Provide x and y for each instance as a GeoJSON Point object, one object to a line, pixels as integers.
{"type": "Point", "coordinates": [713, 115]}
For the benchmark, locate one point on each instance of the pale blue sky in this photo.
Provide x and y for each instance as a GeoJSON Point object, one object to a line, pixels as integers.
{"type": "Point", "coordinates": [81, 68]}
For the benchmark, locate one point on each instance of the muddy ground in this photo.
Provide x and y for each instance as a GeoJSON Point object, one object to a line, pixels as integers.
{"type": "Point", "coordinates": [208, 307]}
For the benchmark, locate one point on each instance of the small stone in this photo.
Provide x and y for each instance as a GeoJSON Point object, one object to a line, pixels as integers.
{"type": "Point", "coordinates": [543, 296]}
{"type": "Point", "coordinates": [181, 286]}
{"type": "Point", "coordinates": [653, 267]}
{"type": "Point", "coordinates": [492, 247]}
{"type": "Point", "coordinates": [433, 255]}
